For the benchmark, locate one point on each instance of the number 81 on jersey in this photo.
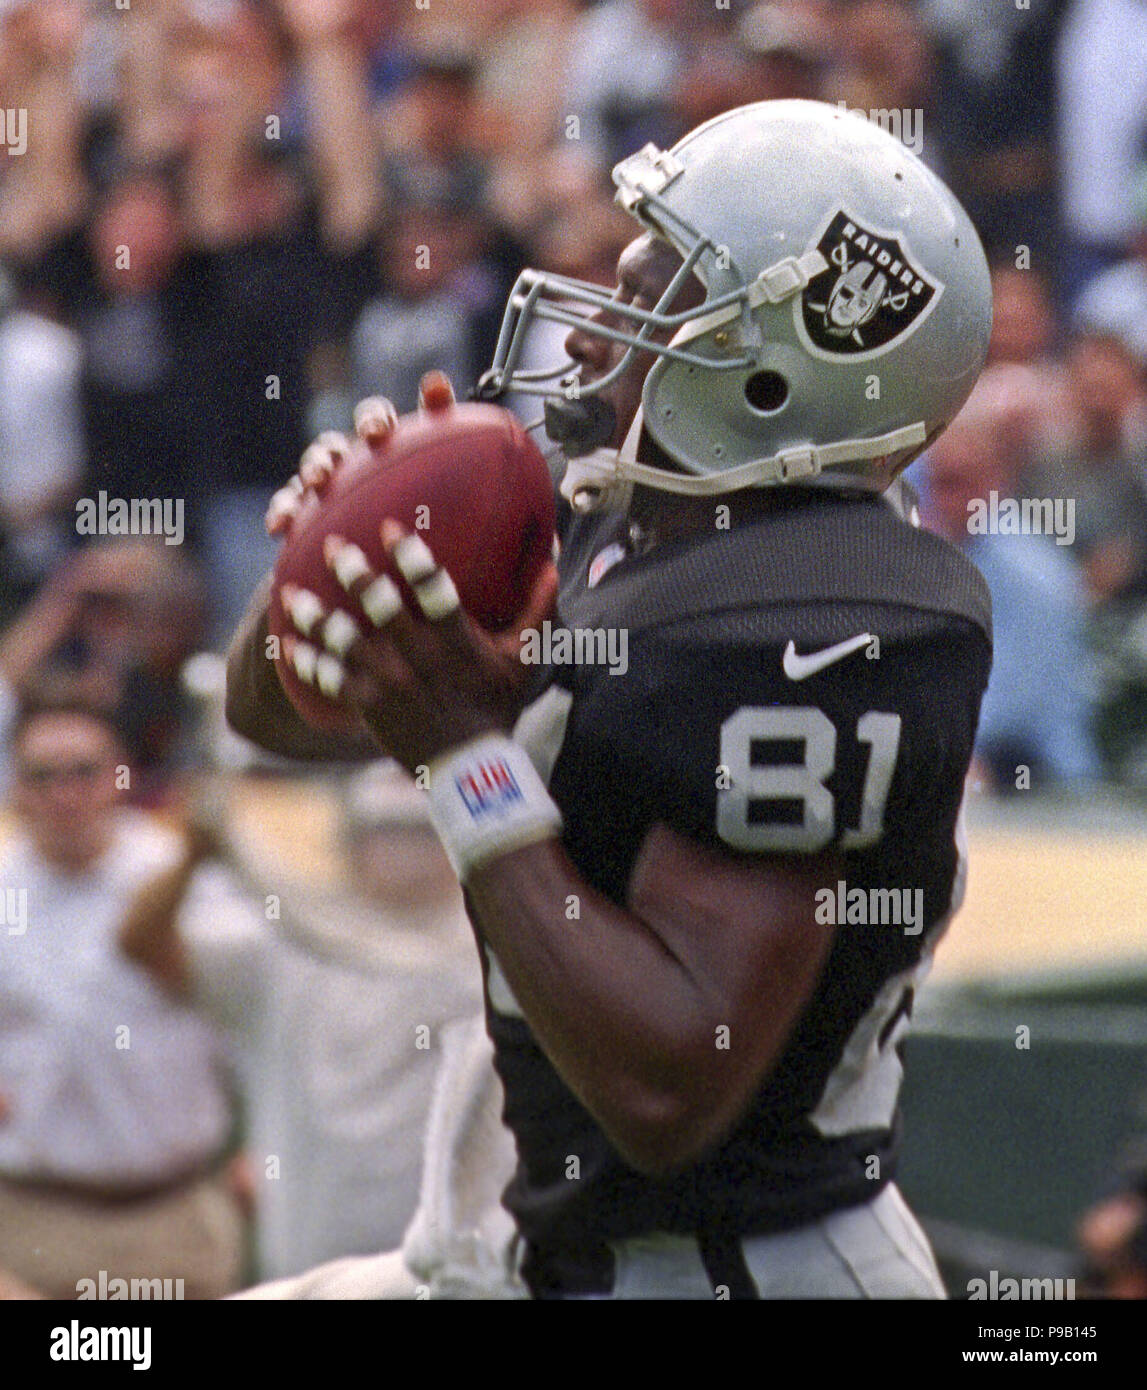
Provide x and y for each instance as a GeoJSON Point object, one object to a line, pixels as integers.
{"type": "Point", "coordinates": [740, 822]}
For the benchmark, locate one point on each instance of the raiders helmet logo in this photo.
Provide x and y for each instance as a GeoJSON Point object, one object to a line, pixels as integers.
{"type": "Point", "coordinates": [871, 295]}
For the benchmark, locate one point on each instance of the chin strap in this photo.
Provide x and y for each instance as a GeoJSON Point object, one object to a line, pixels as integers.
{"type": "Point", "coordinates": [594, 482]}
{"type": "Point", "coordinates": [605, 477]}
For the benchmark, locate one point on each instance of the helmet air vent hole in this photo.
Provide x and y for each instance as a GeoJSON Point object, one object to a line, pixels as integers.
{"type": "Point", "coordinates": [766, 391]}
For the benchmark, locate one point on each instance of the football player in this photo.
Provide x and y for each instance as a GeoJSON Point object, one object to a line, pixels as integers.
{"type": "Point", "coordinates": [706, 890]}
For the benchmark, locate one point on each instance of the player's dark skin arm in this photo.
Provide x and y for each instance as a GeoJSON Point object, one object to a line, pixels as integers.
{"type": "Point", "coordinates": [626, 1003]}
{"type": "Point", "coordinates": [707, 941]}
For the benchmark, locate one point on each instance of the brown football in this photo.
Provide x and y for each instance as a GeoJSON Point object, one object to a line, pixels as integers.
{"type": "Point", "coordinates": [469, 480]}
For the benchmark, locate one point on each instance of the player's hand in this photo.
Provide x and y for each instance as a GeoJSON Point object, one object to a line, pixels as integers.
{"type": "Point", "coordinates": [422, 687]}
{"type": "Point", "coordinates": [316, 469]}
{"type": "Point", "coordinates": [374, 418]}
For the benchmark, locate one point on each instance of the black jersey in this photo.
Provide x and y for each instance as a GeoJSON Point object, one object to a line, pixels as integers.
{"type": "Point", "coordinates": [809, 680]}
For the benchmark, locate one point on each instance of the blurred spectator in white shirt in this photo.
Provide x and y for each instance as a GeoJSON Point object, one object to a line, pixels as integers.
{"type": "Point", "coordinates": [115, 1100]}
{"type": "Point", "coordinates": [461, 1242]}
{"type": "Point", "coordinates": [1102, 92]}
{"type": "Point", "coordinates": [337, 996]}
{"type": "Point", "coordinates": [41, 445]}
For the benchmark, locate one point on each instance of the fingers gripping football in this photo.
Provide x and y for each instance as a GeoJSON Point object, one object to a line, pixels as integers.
{"type": "Point", "coordinates": [316, 469]}
{"type": "Point", "coordinates": [374, 418]}
{"type": "Point", "coordinates": [332, 650]}
{"type": "Point", "coordinates": [377, 594]}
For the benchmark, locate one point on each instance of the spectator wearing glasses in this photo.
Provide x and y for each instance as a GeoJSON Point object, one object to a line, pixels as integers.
{"type": "Point", "coordinates": [114, 1097]}
{"type": "Point", "coordinates": [113, 627]}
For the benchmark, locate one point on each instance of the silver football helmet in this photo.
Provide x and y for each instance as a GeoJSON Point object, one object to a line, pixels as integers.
{"type": "Point", "coordinates": [846, 317]}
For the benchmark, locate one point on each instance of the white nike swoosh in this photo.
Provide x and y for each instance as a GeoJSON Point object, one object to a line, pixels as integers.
{"type": "Point", "coordinates": [799, 668]}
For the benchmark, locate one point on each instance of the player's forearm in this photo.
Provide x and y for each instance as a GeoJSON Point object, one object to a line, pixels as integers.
{"type": "Point", "coordinates": [643, 985]}
{"type": "Point", "coordinates": [589, 976]}
{"type": "Point", "coordinates": [257, 706]}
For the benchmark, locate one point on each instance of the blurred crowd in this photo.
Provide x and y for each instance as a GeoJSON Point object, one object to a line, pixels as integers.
{"type": "Point", "coordinates": [222, 222]}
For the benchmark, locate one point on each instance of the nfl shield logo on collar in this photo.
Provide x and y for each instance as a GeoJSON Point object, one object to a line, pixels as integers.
{"type": "Point", "coordinates": [603, 562]}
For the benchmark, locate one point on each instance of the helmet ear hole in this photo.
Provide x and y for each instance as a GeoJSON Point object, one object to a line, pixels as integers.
{"type": "Point", "coordinates": [766, 391]}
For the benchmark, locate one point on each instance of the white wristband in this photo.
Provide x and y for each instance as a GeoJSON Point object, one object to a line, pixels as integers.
{"type": "Point", "coordinates": [487, 799]}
